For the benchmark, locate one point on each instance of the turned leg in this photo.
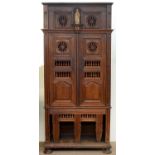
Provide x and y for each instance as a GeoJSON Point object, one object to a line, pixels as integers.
{"type": "Point", "coordinates": [99, 128]}
{"type": "Point", "coordinates": [107, 149]}
{"type": "Point", "coordinates": [47, 126]}
{"type": "Point", "coordinates": [56, 128]}
{"type": "Point", "coordinates": [107, 133]}
{"type": "Point", "coordinates": [77, 128]}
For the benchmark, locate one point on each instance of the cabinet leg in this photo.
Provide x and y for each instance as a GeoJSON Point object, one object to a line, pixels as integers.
{"type": "Point", "coordinates": [107, 149]}
{"type": "Point", "coordinates": [56, 128]}
{"type": "Point", "coordinates": [99, 128]}
{"type": "Point", "coordinates": [77, 128]}
{"type": "Point", "coordinates": [47, 125]}
{"type": "Point", "coordinates": [48, 151]}
{"type": "Point", "coordinates": [107, 133]}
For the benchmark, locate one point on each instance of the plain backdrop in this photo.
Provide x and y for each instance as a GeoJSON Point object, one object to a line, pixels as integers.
{"type": "Point", "coordinates": [21, 55]}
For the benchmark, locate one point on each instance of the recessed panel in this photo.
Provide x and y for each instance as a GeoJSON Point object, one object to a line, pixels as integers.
{"type": "Point", "coordinates": [92, 91]}
{"type": "Point", "coordinates": [62, 91]}
{"type": "Point", "coordinates": [62, 46]}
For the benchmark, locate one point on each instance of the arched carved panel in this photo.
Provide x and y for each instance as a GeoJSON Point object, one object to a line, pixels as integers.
{"type": "Point", "coordinates": [92, 91]}
{"type": "Point", "coordinates": [62, 91]}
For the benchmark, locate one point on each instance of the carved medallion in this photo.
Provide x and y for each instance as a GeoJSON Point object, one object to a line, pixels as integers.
{"type": "Point", "coordinates": [92, 46]}
{"type": "Point", "coordinates": [62, 20]}
{"type": "Point", "coordinates": [62, 46]}
{"type": "Point", "coordinates": [91, 20]}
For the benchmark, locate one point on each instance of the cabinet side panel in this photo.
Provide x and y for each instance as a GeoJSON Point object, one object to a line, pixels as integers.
{"type": "Point", "coordinates": [108, 70]}
{"type": "Point", "coordinates": [46, 69]}
{"type": "Point", "coordinates": [45, 16]}
{"type": "Point", "coordinates": [109, 16]}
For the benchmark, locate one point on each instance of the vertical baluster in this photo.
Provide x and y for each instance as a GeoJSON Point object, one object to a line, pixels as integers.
{"type": "Point", "coordinates": [55, 128]}
{"type": "Point", "coordinates": [77, 128]}
{"type": "Point", "coordinates": [99, 127]}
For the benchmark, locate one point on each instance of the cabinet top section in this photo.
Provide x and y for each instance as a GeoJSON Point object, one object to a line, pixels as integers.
{"type": "Point", "coordinates": [61, 3]}
{"type": "Point", "coordinates": [59, 16]}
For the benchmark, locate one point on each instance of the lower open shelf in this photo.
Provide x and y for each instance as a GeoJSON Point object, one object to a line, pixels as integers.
{"type": "Point", "coordinates": [86, 131]}
{"type": "Point", "coordinates": [78, 131]}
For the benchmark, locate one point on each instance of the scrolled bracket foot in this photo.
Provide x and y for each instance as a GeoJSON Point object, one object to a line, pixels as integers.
{"type": "Point", "coordinates": [107, 150]}
{"type": "Point", "coordinates": [47, 151]}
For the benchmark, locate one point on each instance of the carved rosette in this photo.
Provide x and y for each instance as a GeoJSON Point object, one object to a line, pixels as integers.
{"type": "Point", "coordinates": [91, 20]}
{"type": "Point", "coordinates": [62, 46]}
{"type": "Point", "coordinates": [92, 46]}
{"type": "Point", "coordinates": [62, 20]}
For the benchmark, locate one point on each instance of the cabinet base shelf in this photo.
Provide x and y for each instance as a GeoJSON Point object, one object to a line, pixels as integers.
{"type": "Point", "coordinates": [81, 145]}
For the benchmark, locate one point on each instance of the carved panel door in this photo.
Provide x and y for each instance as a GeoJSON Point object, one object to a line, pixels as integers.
{"type": "Point", "coordinates": [92, 69]}
{"type": "Point", "coordinates": [62, 70]}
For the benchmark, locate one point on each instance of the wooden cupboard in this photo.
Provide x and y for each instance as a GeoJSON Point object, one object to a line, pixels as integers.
{"type": "Point", "coordinates": [77, 71]}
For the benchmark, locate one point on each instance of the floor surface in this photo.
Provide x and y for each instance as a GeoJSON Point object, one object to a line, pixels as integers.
{"type": "Point", "coordinates": [79, 152]}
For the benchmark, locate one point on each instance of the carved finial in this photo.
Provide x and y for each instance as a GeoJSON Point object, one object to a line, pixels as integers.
{"type": "Point", "coordinates": [77, 16]}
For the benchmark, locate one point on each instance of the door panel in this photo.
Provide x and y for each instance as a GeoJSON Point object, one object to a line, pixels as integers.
{"type": "Point", "coordinates": [92, 69]}
{"type": "Point", "coordinates": [63, 70]}
{"type": "Point", "coordinates": [62, 91]}
{"type": "Point", "coordinates": [91, 91]}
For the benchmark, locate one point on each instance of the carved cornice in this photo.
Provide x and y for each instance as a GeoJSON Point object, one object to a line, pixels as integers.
{"type": "Point", "coordinates": [80, 30]}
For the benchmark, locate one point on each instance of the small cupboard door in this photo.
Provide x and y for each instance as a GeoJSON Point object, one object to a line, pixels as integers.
{"type": "Point", "coordinates": [92, 69]}
{"type": "Point", "coordinates": [62, 69]}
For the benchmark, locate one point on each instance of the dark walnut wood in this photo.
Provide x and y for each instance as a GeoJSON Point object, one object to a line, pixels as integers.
{"type": "Point", "coordinates": [77, 66]}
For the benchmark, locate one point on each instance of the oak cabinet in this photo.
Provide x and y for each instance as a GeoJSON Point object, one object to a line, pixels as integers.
{"type": "Point", "coordinates": [77, 68]}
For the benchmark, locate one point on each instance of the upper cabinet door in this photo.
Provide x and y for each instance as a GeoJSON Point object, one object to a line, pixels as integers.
{"type": "Point", "coordinates": [90, 16]}
{"type": "Point", "coordinates": [62, 58]}
{"type": "Point", "coordinates": [92, 70]}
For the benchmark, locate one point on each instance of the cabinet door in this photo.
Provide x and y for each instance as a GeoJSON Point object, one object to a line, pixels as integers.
{"type": "Point", "coordinates": [62, 70]}
{"type": "Point", "coordinates": [92, 69]}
